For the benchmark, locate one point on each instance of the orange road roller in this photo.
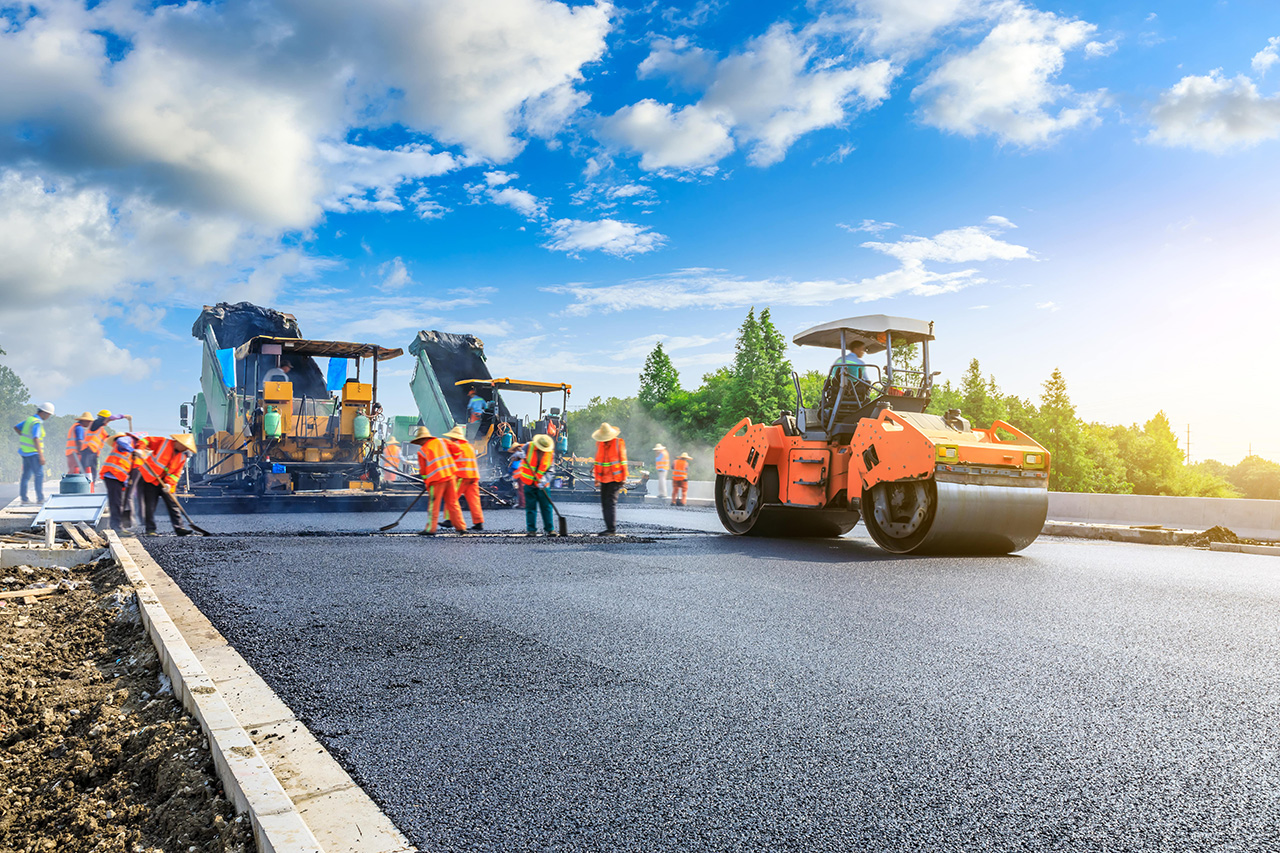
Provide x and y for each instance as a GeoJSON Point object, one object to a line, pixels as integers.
{"type": "Point", "coordinates": [923, 483]}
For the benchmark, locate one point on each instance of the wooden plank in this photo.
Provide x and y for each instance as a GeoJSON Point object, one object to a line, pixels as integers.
{"type": "Point", "coordinates": [92, 535]}
{"type": "Point", "coordinates": [28, 593]}
{"type": "Point", "coordinates": [75, 536]}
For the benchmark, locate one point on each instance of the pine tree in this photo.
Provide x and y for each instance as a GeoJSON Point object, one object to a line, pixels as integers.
{"type": "Point", "coordinates": [659, 381]}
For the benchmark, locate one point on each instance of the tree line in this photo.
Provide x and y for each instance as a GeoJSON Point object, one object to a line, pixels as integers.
{"type": "Point", "coordinates": [1086, 456]}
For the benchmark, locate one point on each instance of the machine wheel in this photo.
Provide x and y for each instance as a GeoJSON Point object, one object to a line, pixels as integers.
{"type": "Point", "coordinates": [899, 515]}
{"type": "Point", "coordinates": [738, 503]}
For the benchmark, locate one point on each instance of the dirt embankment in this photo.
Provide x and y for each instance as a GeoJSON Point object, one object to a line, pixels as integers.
{"type": "Point", "coordinates": [95, 752]}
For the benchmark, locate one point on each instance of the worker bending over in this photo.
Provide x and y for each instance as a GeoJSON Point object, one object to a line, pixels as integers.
{"type": "Point", "coordinates": [166, 459]}
{"type": "Point", "coordinates": [439, 476]}
{"type": "Point", "coordinates": [464, 458]}
{"type": "Point", "coordinates": [535, 474]}
{"type": "Point", "coordinates": [31, 450]}
{"type": "Point", "coordinates": [680, 480]}
{"type": "Point", "coordinates": [610, 470]}
{"type": "Point", "coordinates": [120, 472]}
{"type": "Point", "coordinates": [662, 464]}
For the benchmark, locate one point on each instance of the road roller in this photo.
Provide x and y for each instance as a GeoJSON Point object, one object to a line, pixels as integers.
{"type": "Point", "coordinates": [923, 483]}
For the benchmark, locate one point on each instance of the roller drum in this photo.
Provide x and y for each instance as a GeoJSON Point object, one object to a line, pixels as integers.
{"type": "Point", "coordinates": [939, 517]}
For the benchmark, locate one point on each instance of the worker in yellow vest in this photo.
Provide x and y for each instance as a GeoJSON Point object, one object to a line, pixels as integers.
{"type": "Point", "coordinates": [680, 480]}
{"type": "Point", "coordinates": [464, 459]}
{"type": "Point", "coordinates": [610, 470]}
{"type": "Point", "coordinates": [439, 477]}
{"type": "Point", "coordinates": [662, 464]}
{"type": "Point", "coordinates": [166, 459]}
{"type": "Point", "coordinates": [534, 474]}
{"type": "Point", "coordinates": [120, 472]}
{"type": "Point", "coordinates": [390, 459]}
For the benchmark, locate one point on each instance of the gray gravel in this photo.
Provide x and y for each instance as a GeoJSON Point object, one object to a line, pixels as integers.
{"type": "Point", "coordinates": [698, 692]}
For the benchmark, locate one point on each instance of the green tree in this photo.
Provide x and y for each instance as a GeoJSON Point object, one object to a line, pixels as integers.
{"type": "Point", "coordinates": [659, 380]}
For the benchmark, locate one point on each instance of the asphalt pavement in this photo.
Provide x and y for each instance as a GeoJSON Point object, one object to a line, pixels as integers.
{"type": "Point", "coordinates": [686, 690]}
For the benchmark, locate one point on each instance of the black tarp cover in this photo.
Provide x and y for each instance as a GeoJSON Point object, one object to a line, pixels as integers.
{"type": "Point", "coordinates": [235, 324]}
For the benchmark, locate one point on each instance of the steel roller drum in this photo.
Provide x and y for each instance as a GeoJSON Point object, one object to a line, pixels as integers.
{"type": "Point", "coordinates": [944, 517]}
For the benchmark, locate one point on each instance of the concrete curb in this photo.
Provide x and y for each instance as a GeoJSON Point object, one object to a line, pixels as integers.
{"type": "Point", "coordinates": [1117, 533]}
{"type": "Point", "coordinates": [1266, 550]}
{"type": "Point", "coordinates": [338, 812]}
{"type": "Point", "coordinates": [246, 778]}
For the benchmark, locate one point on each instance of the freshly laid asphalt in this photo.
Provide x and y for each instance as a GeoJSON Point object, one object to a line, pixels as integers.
{"type": "Point", "coordinates": [685, 690]}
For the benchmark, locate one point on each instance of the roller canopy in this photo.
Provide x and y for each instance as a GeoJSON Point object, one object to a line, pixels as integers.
{"type": "Point", "coordinates": [517, 385]}
{"type": "Point", "coordinates": [870, 329]}
{"type": "Point", "coordinates": [332, 349]}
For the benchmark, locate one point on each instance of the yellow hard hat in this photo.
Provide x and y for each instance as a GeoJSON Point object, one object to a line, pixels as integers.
{"type": "Point", "coordinates": [185, 440]}
{"type": "Point", "coordinates": [105, 413]}
{"type": "Point", "coordinates": [420, 435]}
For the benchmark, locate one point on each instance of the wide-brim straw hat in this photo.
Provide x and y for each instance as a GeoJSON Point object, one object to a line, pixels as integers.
{"type": "Point", "coordinates": [659, 447]}
{"type": "Point", "coordinates": [606, 432]}
{"type": "Point", "coordinates": [458, 432]}
{"type": "Point", "coordinates": [684, 456]}
{"type": "Point", "coordinates": [543, 443]}
{"type": "Point", "coordinates": [87, 416]}
{"type": "Point", "coordinates": [420, 435]}
{"type": "Point", "coordinates": [185, 440]}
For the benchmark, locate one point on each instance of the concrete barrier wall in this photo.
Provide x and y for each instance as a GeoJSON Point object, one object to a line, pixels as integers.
{"type": "Point", "coordinates": [1253, 519]}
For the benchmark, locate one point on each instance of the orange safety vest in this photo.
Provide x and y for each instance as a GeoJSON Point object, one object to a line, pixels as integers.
{"type": "Point", "coordinates": [391, 456]}
{"type": "Point", "coordinates": [663, 461]}
{"type": "Point", "coordinates": [95, 438]}
{"type": "Point", "coordinates": [611, 461]}
{"type": "Point", "coordinates": [530, 472]}
{"type": "Point", "coordinates": [164, 466]}
{"type": "Point", "coordinates": [464, 458]}
{"type": "Point", "coordinates": [681, 471]}
{"type": "Point", "coordinates": [435, 463]}
{"type": "Point", "coordinates": [118, 465]}
{"type": "Point", "coordinates": [71, 440]}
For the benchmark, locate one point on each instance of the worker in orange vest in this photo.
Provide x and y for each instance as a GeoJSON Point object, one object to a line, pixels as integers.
{"type": "Point", "coordinates": [464, 459]}
{"type": "Point", "coordinates": [680, 480]}
{"type": "Point", "coordinates": [166, 458]}
{"type": "Point", "coordinates": [78, 442]}
{"type": "Point", "coordinates": [120, 472]}
{"type": "Point", "coordinates": [390, 459]}
{"type": "Point", "coordinates": [439, 476]}
{"type": "Point", "coordinates": [610, 470]}
{"type": "Point", "coordinates": [662, 463]}
{"type": "Point", "coordinates": [535, 475]}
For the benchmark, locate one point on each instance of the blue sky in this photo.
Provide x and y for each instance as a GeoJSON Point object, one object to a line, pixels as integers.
{"type": "Point", "coordinates": [1090, 186]}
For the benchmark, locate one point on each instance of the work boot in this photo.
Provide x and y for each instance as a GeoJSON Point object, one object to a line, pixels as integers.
{"type": "Point", "coordinates": [478, 526]}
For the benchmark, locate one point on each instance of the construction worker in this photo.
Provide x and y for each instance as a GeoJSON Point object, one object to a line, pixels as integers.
{"type": "Point", "coordinates": [439, 475]}
{"type": "Point", "coordinates": [391, 459]}
{"type": "Point", "coordinates": [31, 449]}
{"type": "Point", "coordinates": [680, 480]}
{"type": "Point", "coordinates": [160, 470]}
{"type": "Point", "coordinates": [95, 437]}
{"type": "Point", "coordinates": [475, 405]}
{"type": "Point", "coordinates": [120, 472]}
{"type": "Point", "coordinates": [662, 464]}
{"type": "Point", "coordinates": [610, 470]}
{"type": "Point", "coordinates": [535, 474]}
{"type": "Point", "coordinates": [468, 484]}
{"type": "Point", "coordinates": [513, 465]}
{"type": "Point", "coordinates": [77, 442]}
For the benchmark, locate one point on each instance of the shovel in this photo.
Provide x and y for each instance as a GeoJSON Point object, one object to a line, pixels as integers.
{"type": "Point", "coordinates": [396, 523]}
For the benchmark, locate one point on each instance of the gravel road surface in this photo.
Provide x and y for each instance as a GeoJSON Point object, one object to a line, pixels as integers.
{"type": "Point", "coordinates": [686, 691]}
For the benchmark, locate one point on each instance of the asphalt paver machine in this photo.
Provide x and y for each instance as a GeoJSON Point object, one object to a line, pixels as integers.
{"type": "Point", "coordinates": [923, 483]}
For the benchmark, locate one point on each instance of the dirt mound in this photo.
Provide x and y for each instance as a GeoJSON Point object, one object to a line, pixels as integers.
{"type": "Point", "coordinates": [95, 752]}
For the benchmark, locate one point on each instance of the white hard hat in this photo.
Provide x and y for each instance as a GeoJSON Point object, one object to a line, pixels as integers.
{"type": "Point", "coordinates": [45, 407]}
